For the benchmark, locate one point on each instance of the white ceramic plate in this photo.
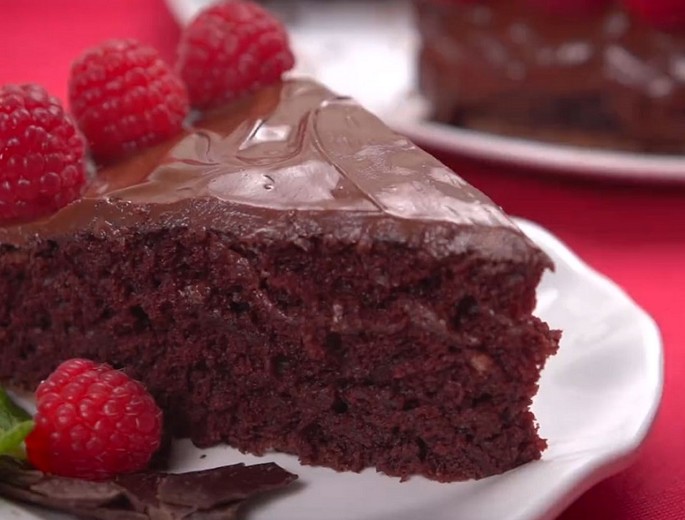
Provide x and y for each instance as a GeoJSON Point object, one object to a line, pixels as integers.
{"type": "Point", "coordinates": [597, 400]}
{"type": "Point", "coordinates": [367, 49]}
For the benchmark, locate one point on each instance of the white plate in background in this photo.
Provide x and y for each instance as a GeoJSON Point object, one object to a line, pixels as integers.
{"type": "Point", "coordinates": [366, 49]}
{"type": "Point", "coordinates": [598, 397]}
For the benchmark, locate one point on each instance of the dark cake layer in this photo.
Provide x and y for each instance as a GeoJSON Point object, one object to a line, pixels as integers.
{"type": "Point", "coordinates": [602, 80]}
{"type": "Point", "coordinates": [293, 275]}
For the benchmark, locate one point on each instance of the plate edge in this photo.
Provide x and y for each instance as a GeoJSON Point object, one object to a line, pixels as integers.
{"type": "Point", "coordinates": [622, 456]}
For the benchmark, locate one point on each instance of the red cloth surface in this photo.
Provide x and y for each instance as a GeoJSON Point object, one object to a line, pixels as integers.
{"type": "Point", "coordinates": [634, 233]}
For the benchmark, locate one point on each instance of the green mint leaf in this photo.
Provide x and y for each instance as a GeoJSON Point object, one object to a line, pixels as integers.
{"type": "Point", "coordinates": [15, 425]}
{"type": "Point", "coordinates": [11, 440]}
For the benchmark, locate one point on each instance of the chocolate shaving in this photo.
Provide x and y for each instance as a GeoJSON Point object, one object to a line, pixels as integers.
{"type": "Point", "coordinates": [214, 494]}
{"type": "Point", "coordinates": [207, 489]}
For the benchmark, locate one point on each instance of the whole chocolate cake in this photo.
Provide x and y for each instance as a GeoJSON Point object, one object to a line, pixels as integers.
{"type": "Point", "coordinates": [597, 76]}
{"type": "Point", "coordinates": [290, 274]}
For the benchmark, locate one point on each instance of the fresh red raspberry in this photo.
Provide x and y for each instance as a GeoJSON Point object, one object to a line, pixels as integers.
{"type": "Point", "coordinates": [663, 14]}
{"type": "Point", "coordinates": [93, 422]}
{"type": "Point", "coordinates": [125, 97]}
{"type": "Point", "coordinates": [572, 8]}
{"type": "Point", "coordinates": [232, 48]}
{"type": "Point", "coordinates": [42, 154]}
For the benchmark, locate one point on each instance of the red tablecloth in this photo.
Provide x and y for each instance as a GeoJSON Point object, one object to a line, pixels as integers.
{"type": "Point", "coordinates": [633, 233]}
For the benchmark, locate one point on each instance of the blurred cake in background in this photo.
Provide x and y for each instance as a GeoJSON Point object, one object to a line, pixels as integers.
{"type": "Point", "coordinates": [598, 73]}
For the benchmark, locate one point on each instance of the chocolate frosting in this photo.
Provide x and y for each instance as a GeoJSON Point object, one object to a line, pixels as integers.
{"type": "Point", "coordinates": [293, 159]}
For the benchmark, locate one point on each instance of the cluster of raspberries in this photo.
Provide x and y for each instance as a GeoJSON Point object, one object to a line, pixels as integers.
{"type": "Point", "coordinates": [124, 98]}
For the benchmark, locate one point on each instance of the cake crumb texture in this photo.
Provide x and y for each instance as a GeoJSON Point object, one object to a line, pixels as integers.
{"type": "Point", "coordinates": [348, 354]}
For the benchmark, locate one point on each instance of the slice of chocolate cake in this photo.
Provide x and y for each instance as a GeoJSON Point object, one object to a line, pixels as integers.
{"type": "Point", "coordinates": [291, 274]}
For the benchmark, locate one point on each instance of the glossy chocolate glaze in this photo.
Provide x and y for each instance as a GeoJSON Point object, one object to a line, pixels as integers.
{"type": "Point", "coordinates": [500, 57]}
{"type": "Point", "coordinates": [293, 160]}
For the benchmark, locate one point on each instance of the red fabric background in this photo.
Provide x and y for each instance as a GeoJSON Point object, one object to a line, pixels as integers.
{"type": "Point", "coordinates": [634, 233]}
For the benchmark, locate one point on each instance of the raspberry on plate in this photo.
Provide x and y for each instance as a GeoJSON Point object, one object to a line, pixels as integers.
{"type": "Point", "coordinates": [42, 154]}
{"type": "Point", "coordinates": [125, 98]}
{"type": "Point", "coordinates": [232, 48]}
{"type": "Point", "coordinates": [93, 422]}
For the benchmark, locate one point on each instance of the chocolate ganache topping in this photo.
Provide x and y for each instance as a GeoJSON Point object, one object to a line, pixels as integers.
{"type": "Point", "coordinates": [292, 159]}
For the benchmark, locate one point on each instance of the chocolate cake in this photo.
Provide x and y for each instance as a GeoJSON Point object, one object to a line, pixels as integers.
{"type": "Point", "coordinates": [290, 274]}
{"type": "Point", "coordinates": [604, 79]}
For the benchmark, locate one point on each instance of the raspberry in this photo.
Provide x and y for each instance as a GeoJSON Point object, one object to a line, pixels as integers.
{"type": "Point", "coordinates": [42, 154]}
{"type": "Point", "coordinates": [125, 97]}
{"type": "Point", "coordinates": [93, 422]}
{"type": "Point", "coordinates": [572, 8]}
{"type": "Point", "coordinates": [662, 14]}
{"type": "Point", "coordinates": [232, 48]}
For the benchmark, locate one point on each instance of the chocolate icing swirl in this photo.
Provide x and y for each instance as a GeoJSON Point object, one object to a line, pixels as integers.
{"type": "Point", "coordinates": [292, 158]}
